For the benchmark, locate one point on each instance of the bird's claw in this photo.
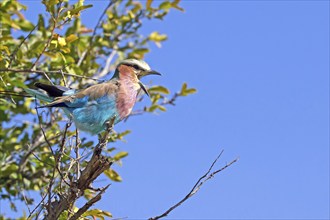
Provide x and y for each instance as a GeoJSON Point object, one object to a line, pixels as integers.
{"type": "Point", "coordinates": [109, 124]}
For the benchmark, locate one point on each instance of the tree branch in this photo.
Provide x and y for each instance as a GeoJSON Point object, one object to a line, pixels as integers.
{"type": "Point", "coordinates": [197, 186]}
{"type": "Point", "coordinates": [43, 72]}
{"type": "Point", "coordinates": [88, 204]}
{"type": "Point", "coordinates": [95, 167]}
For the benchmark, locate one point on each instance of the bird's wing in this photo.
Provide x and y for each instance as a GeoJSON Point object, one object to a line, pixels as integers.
{"type": "Point", "coordinates": [91, 95]}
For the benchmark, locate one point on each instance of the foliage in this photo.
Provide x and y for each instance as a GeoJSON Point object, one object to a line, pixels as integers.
{"type": "Point", "coordinates": [38, 151]}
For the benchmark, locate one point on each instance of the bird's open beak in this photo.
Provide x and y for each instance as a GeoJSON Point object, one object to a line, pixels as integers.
{"type": "Point", "coordinates": [151, 72]}
{"type": "Point", "coordinates": [144, 88]}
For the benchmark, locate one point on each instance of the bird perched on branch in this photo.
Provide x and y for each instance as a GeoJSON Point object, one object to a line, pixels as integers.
{"type": "Point", "coordinates": [93, 107]}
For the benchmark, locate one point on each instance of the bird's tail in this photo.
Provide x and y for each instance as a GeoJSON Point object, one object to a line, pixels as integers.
{"type": "Point", "coordinates": [39, 95]}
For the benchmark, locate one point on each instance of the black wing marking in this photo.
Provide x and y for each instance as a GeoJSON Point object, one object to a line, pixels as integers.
{"type": "Point", "coordinates": [52, 90]}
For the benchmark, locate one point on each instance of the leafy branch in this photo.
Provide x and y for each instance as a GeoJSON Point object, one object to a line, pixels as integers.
{"type": "Point", "coordinates": [43, 72]}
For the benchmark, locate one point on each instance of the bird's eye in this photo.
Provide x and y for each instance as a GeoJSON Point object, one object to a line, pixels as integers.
{"type": "Point", "coordinates": [136, 67]}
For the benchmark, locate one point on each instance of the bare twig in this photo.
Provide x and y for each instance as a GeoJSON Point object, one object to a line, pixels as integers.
{"type": "Point", "coordinates": [43, 132]}
{"type": "Point", "coordinates": [48, 41]}
{"type": "Point", "coordinates": [51, 165]}
{"type": "Point", "coordinates": [208, 175]}
{"type": "Point", "coordinates": [37, 206]}
{"type": "Point", "coordinates": [63, 23]}
{"type": "Point", "coordinates": [111, 2]}
{"type": "Point", "coordinates": [76, 150]}
{"type": "Point", "coordinates": [64, 81]}
{"type": "Point", "coordinates": [172, 100]}
{"type": "Point", "coordinates": [106, 68]}
{"type": "Point", "coordinates": [26, 202]}
{"type": "Point", "coordinates": [12, 56]}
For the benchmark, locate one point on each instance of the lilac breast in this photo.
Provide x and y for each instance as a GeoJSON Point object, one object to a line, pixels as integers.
{"type": "Point", "coordinates": [126, 97]}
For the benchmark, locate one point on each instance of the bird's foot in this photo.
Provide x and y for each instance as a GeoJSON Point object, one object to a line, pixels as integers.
{"type": "Point", "coordinates": [99, 136]}
{"type": "Point", "coordinates": [109, 124]}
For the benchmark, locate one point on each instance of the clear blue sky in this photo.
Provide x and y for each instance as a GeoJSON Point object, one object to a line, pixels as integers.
{"type": "Point", "coordinates": [262, 73]}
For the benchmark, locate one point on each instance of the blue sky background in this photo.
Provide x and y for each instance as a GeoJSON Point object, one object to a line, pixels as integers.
{"type": "Point", "coordinates": [262, 73]}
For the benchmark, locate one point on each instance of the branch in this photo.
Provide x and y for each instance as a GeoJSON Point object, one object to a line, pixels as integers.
{"type": "Point", "coordinates": [43, 72]}
{"type": "Point", "coordinates": [197, 186]}
{"type": "Point", "coordinates": [88, 204]}
{"type": "Point", "coordinates": [94, 168]}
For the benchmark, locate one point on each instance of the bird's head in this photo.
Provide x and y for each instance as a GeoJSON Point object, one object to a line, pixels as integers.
{"type": "Point", "coordinates": [137, 68]}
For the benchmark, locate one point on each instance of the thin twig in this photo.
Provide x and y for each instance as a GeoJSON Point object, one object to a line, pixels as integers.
{"type": "Point", "coordinates": [48, 41]}
{"type": "Point", "coordinates": [5, 85]}
{"type": "Point", "coordinates": [65, 84]}
{"type": "Point", "coordinates": [37, 206]}
{"type": "Point", "coordinates": [63, 23]}
{"type": "Point", "coordinates": [106, 68]}
{"type": "Point", "coordinates": [94, 32]}
{"type": "Point", "coordinates": [26, 202]}
{"type": "Point", "coordinates": [42, 130]}
{"type": "Point", "coordinates": [12, 56]}
{"type": "Point", "coordinates": [51, 165]}
{"type": "Point", "coordinates": [76, 150]}
{"type": "Point", "coordinates": [197, 186]}
{"type": "Point", "coordinates": [35, 144]}
{"type": "Point", "coordinates": [172, 100]}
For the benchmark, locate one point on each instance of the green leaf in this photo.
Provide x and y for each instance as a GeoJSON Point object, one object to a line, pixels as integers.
{"type": "Point", "coordinates": [65, 50]}
{"type": "Point", "coordinates": [25, 25]}
{"type": "Point", "coordinates": [190, 91]}
{"type": "Point", "coordinates": [5, 48]}
{"type": "Point", "coordinates": [120, 155]}
{"type": "Point", "coordinates": [184, 87]}
{"type": "Point", "coordinates": [37, 47]}
{"type": "Point", "coordinates": [160, 89]}
{"type": "Point", "coordinates": [71, 38]}
{"type": "Point", "coordinates": [176, 6]}
{"type": "Point", "coordinates": [162, 108]}
{"type": "Point", "coordinates": [157, 37]}
{"type": "Point", "coordinates": [62, 56]}
{"type": "Point", "coordinates": [77, 10]}
{"type": "Point", "coordinates": [148, 4]}
{"type": "Point", "coordinates": [97, 213]}
{"type": "Point", "coordinates": [88, 194]}
{"type": "Point", "coordinates": [165, 6]}
{"type": "Point", "coordinates": [61, 41]}
{"type": "Point", "coordinates": [51, 55]}
{"type": "Point", "coordinates": [185, 91]}
{"type": "Point", "coordinates": [113, 175]}
{"type": "Point", "coordinates": [152, 108]}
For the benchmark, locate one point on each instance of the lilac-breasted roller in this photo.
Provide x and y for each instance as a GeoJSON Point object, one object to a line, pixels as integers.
{"type": "Point", "coordinates": [92, 107]}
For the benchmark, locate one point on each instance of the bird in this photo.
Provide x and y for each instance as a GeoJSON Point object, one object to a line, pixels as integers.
{"type": "Point", "coordinates": [93, 107]}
